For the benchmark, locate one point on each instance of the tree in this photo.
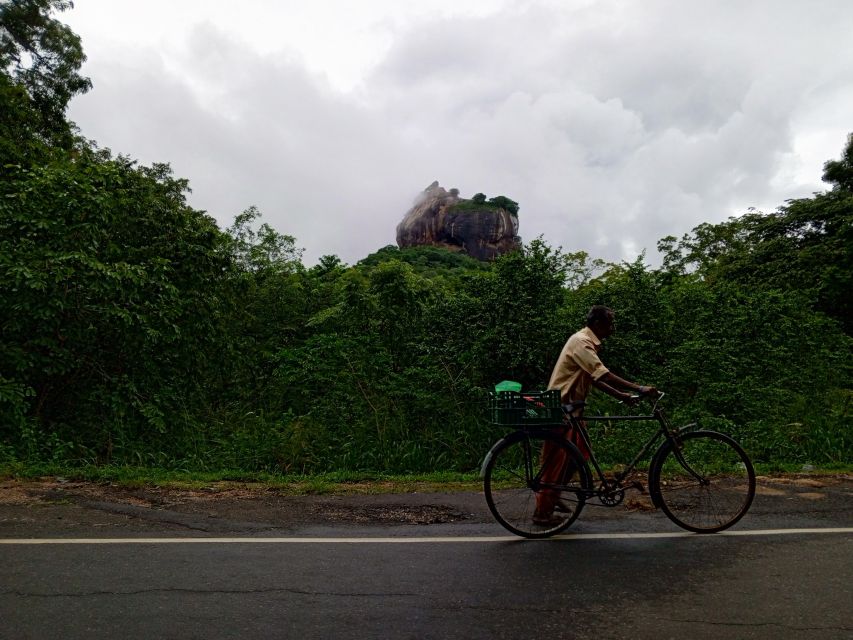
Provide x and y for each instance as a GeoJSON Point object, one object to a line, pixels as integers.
{"type": "Point", "coordinates": [328, 265]}
{"type": "Point", "coordinates": [839, 173]}
{"type": "Point", "coordinates": [804, 246]}
{"type": "Point", "coordinates": [40, 59]}
{"type": "Point", "coordinates": [110, 289]}
{"type": "Point", "coordinates": [504, 203]}
{"type": "Point", "coordinates": [265, 249]}
{"type": "Point", "coordinates": [515, 333]}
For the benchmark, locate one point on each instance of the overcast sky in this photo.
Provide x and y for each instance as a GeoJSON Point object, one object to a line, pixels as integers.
{"type": "Point", "coordinates": [612, 123]}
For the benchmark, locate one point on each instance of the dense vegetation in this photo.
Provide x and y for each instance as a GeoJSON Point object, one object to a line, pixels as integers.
{"type": "Point", "coordinates": [134, 331]}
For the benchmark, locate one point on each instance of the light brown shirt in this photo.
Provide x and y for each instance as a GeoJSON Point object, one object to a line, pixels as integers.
{"type": "Point", "coordinates": [577, 366]}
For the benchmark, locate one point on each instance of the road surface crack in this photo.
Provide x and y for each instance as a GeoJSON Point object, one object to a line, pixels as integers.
{"type": "Point", "coordinates": [145, 513]}
{"type": "Point", "coordinates": [782, 625]}
{"type": "Point", "coordinates": [163, 516]}
{"type": "Point", "coordinates": [302, 592]}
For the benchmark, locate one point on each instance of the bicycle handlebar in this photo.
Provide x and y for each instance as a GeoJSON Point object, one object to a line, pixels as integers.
{"type": "Point", "coordinates": [657, 399]}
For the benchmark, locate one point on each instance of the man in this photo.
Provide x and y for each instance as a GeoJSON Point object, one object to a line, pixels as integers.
{"type": "Point", "coordinates": [578, 369]}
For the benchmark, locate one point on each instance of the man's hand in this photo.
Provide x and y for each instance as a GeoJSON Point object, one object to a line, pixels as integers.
{"type": "Point", "coordinates": [630, 400]}
{"type": "Point", "coordinates": [648, 391]}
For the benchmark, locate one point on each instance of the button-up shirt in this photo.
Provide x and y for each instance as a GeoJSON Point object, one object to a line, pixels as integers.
{"type": "Point", "coordinates": [577, 366]}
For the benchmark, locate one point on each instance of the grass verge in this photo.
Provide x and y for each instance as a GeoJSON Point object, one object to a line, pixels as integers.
{"type": "Point", "coordinates": [336, 483]}
{"type": "Point", "coordinates": [341, 482]}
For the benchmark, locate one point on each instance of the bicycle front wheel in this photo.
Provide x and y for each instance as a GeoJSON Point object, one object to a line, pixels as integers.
{"type": "Point", "coordinates": [536, 483]}
{"type": "Point", "coordinates": [705, 483]}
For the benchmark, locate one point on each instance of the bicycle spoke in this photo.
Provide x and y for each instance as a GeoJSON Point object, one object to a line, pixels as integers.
{"type": "Point", "coordinates": [521, 488]}
{"type": "Point", "coordinates": [724, 492]}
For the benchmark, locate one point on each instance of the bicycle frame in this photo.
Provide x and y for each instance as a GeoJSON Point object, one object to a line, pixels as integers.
{"type": "Point", "coordinates": [665, 430]}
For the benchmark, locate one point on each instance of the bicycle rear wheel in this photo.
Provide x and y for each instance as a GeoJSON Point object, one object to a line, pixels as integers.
{"type": "Point", "coordinates": [513, 483]}
{"type": "Point", "coordinates": [706, 483]}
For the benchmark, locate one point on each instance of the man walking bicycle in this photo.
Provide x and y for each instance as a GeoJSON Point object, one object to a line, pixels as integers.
{"type": "Point", "coordinates": [577, 370]}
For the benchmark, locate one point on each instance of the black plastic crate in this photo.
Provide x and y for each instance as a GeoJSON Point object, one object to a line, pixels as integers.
{"type": "Point", "coordinates": [527, 408]}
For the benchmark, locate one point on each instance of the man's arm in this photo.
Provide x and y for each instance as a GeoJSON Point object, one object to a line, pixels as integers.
{"type": "Point", "coordinates": [611, 384]}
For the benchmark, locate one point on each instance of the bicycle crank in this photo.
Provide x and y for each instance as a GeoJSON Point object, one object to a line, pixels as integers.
{"type": "Point", "coordinates": [611, 496]}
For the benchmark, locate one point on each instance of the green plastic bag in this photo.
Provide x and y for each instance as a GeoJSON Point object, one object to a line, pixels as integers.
{"type": "Point", "coordinates": [508, 385]}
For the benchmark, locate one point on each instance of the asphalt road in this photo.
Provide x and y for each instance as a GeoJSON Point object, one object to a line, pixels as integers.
{"type": "Point", "coordinates": [338, 577]}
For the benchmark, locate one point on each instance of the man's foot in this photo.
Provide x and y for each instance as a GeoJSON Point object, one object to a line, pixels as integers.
{"type": "Point", "coordinates": [547, 521]}
{"type": "Point", "coordinates": [564, 507]}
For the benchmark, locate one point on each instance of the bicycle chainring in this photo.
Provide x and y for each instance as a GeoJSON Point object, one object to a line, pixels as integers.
{"type": "Point", "coordinates": [611, 496]}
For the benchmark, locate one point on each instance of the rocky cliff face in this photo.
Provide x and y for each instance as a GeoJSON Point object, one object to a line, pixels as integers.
{"type": "Point", "coordinates": [482, 231]}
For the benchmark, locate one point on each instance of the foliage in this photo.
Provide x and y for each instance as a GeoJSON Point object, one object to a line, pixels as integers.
{"type": "Point", "coordinates": [804, 246]}
{"type": "Point", "coordinates": [479, 202]}
{"type": "Point", "coordinates": [502, 202]}
{"type": "Point", "coordinates": [104, 306]}
{"type": "Point", "coordinates": [428, 261]}
{"type": "Point", "coordinates": [134, 332]}
{"type": "Point", "coordinates": [264, 250]}
{"type": "Point", "coordinates": [839, 173]}
{"type": "Point", "coordinates": [40, 58]}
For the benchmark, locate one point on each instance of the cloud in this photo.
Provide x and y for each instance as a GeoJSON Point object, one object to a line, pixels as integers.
{"type": "Point", "coordinates": [250, 129]}
{"type": "Point", "coordinates": [612, 124]}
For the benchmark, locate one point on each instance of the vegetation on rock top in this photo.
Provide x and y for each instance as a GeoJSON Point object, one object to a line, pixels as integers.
{"type": "Point", "coordinates": [479, 202]}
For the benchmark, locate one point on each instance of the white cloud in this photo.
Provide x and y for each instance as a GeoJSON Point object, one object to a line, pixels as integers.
{"type": "Point", "coordinates": [612, 123]}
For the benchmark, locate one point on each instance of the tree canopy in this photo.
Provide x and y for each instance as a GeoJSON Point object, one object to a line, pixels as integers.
{"type": "Point", "coordinates": [804, 246]}
{"type": "Point", "coordinates": [41, 58]}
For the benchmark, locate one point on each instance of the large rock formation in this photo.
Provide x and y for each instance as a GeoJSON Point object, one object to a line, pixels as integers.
{"type": "Point", "coordinates": [441, 218]}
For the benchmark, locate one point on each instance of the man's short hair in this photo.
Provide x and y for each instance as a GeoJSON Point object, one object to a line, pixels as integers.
{"type": "Point", "coordinates": [599, 313]}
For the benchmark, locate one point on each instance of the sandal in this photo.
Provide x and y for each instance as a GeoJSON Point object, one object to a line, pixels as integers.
{"type": "Point", "coordinates": [547, 521]}
{"type": "Point", "coordinates": [564, 507]}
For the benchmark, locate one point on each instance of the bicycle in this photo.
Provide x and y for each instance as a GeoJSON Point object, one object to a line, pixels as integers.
{"type": "Point", "coordinates": [702, 480]}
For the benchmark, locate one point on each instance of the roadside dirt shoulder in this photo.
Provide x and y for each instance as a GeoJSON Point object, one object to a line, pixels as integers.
{"type": "Point", "coordinates": [33, 507]}
{"type": "Point", "coordinates": [217, 509]}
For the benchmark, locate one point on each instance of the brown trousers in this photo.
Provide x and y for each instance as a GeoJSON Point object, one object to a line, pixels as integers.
{"type": "Point", "coordinates": [556, 468]}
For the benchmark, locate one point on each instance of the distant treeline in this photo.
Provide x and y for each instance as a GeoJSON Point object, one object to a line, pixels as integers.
{"type": "Point", "coordinates": [134, 331]}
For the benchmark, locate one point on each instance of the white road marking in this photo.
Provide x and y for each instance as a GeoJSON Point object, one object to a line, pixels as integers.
{"type": "Point", "coordinates": [428, 540]}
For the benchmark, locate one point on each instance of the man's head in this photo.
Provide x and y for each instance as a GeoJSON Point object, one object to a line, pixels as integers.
{"type": "Point", "coordinates": [601, 320]}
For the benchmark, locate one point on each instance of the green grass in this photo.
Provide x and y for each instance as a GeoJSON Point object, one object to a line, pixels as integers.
{"type": "Point", "coordinates": [772, 468]}
{"type": "Point", "coordinates": [344, 482]}
{"type": "Point", "coordinates": [338, 483]}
